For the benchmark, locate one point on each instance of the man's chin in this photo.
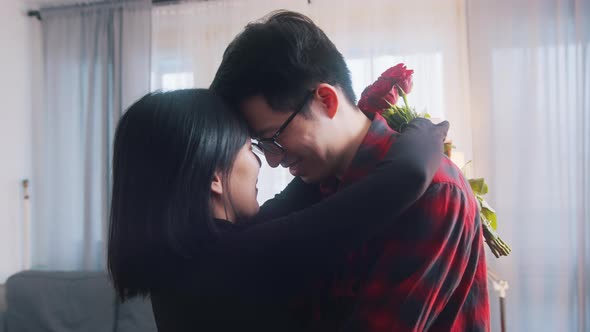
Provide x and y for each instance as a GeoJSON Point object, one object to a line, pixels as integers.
{"type": "Point", "coordinates": [311, 174]}
{"type": "Point", "coordinates": [305, 179]}
{"type": "Point", "coordinates": [310, 179]}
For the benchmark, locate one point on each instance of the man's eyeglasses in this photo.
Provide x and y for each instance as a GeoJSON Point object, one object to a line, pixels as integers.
{"type": "Point", "coordinates": [271, 145]}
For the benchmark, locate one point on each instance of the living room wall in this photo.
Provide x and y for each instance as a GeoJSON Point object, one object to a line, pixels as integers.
{"type": "Point", "coordinates": [19, 58]}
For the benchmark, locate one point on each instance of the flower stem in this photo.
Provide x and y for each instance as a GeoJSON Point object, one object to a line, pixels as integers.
{"type": "Point", "coordinates": [404, 96]}
{"type": "Point", "coordinates": [496, 244]}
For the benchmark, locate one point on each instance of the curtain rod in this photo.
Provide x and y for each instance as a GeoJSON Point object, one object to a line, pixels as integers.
{"type": "Point", "coordinates": [37, 13]}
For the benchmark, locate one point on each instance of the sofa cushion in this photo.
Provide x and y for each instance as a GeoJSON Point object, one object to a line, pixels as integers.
{"type": "Point", "coordinates": [2, 298]}
{"type": "Point", "coordinates": [60, 302]}
{"type": "Point", "coordinates": [2, 327]}
{"type": "Point", "coordinates": [136, 315]}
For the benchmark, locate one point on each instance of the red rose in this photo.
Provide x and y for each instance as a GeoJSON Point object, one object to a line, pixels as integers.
{"type": "Point", "coordinates": [377, 97]}
{"type": "Point", "coordinates": [401, 76]}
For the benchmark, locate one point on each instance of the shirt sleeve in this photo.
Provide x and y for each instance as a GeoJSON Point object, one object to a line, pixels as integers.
{"type": "Point", "coordinates": [406, 290]}
{"type": "Point", "coordinates": [296, 196]}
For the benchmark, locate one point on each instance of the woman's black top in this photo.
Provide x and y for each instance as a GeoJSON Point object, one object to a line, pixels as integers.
{"type": "Point", "coordinates": [253, 273]}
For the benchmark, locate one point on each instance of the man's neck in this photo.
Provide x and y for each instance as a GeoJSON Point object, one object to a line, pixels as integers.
{"type": "Point", "coordinates": [359, 125]}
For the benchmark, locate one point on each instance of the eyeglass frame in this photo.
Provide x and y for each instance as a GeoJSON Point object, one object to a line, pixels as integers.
{"type": "Point", "coordinates": [273, 139]}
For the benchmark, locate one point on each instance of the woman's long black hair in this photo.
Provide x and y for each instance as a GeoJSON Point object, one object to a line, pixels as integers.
{"type": "Point", "coordinates": [167, 147]}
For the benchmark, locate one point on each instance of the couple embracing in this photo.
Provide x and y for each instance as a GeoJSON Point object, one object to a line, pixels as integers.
{"type": "Point", "coordinates": [378, 231]}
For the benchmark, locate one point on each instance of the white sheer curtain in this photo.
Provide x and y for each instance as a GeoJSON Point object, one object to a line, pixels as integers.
{"type": "Point", "coordinates": [428, 35]}
{"type": "Point", "coordinates": [96, 63]}
{"type": "Point", "coordinates": [530, 97]}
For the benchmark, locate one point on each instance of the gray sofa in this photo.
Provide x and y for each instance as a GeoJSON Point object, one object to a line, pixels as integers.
{"type": "Point", "coordinates": [70, 302]}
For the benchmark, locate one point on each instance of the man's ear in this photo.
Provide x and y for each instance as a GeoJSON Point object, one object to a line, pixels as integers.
{"type": "Point", "coordinates": [216, 185]}
{"type": "Point", "coordinates": [328, 98]}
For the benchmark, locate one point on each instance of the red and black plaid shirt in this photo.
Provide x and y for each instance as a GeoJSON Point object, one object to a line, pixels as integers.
{"type": "Point", "coordinates": [425, 272]}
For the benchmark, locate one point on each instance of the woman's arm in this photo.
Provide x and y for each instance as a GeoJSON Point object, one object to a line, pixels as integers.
{"type": "Point", "coordinates": [313, 237]}
{"type": "Point", "coordinates": [296, 196]}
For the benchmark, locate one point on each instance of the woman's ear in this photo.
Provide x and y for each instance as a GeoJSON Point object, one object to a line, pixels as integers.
{"type": "Point", "coordinates": [216, 185]}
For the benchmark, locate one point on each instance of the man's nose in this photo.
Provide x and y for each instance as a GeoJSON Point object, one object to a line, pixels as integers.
{"type": "Point", "coordinates": [273, 159]}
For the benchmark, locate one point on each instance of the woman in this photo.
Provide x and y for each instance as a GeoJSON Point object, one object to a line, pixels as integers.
{"type": "Point", "coordinates": [184, 182]}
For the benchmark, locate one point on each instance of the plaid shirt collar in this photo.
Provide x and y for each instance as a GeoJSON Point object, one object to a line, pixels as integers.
{"type": "Point", "coordinates": [371, 151]}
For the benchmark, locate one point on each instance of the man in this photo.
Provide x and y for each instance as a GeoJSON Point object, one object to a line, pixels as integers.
{"type": "Point", "coordinates": [425, 272]}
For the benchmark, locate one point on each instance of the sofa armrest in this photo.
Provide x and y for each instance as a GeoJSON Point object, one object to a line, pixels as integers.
{"type": "Point", "coordinates": [2, 323]}
{"type": "Point", "coordinates": [2, 308]}
{"type": "Point", "coordinates": [73, 301]}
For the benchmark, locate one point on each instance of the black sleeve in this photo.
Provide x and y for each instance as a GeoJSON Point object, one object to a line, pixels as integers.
{"type": "Point", "coordinates": [296, 196]}
{"type": "Point", "coordinates": [307, 241]}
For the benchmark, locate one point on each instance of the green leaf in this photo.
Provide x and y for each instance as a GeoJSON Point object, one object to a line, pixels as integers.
{"type": "Point", "coordinates": [491, 216]}
{"type": "Point", "coordinates": [487, 213]}
{"type": "Point", "coordinates": [478, 186]}
{"type": "Point", "coordinates": [486, 205]}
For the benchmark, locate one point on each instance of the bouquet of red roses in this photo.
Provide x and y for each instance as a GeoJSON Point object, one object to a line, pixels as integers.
{"type": "Point", "coordinates": [382, 97]}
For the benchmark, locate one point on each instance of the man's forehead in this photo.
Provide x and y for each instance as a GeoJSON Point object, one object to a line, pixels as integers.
{"type": "Point", "coordinates": [262, 133]}
{"type": "Point", "coordinates": [262, 120]}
